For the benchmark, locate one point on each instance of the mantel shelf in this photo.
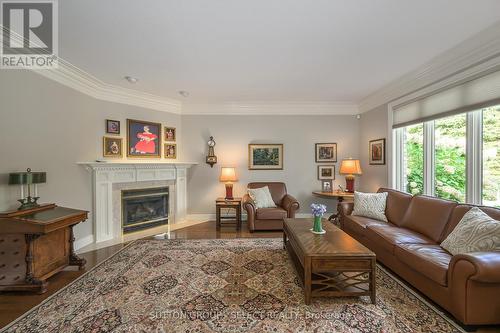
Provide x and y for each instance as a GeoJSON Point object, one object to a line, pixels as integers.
{"type": "Point", "coordinates": [135, 164]}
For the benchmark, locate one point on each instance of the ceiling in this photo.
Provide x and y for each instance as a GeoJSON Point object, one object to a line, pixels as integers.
{"type": "Point", "coordinates": [223, 51]}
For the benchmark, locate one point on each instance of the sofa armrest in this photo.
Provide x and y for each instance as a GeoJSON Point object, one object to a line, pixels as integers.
{"type": "Point", "coordinates": [249, 206]}
{"type": "Point", "coordinates": [345, 208]}
{"type": "Point", "coordinates": [479, 266]}
{"type": "Point", "coordinates": [290, 204]}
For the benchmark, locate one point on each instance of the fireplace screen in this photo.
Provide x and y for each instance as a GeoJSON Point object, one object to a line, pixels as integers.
{"type": "Point", "coordinates": [144, 208]}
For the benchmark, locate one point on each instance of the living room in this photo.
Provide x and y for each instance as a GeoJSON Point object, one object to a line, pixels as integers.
{"type": "Point", "coordinates": [250, 166]}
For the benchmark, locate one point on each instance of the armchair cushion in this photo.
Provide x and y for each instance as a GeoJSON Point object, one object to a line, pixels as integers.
{"type": "Point", "coordinates": [271, 213]}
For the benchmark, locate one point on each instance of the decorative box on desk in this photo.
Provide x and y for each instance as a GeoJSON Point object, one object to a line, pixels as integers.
{"type": "Point", "coordinates": [36, 244]}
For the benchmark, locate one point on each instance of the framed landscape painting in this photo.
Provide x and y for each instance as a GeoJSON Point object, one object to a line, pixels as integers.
{"type": "Point", "coordinates": [377, 152]}
{"type": "Point", "coordinates": [265, 157]}
{"type": "Point", "coordinates": [143, 139]}
{"type": "Point", "coordinates": [326, 152]}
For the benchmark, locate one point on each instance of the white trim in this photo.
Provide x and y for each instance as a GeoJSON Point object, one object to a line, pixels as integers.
{"type": "Point", "coordinates": [478, 54]}
{"type": "Point", "coordinates": [429, 158]}
{"type": "Point", "coordinates": [82, 242]}
{"type": "Point", "coordinates": [474, 157]}
{"type": "Point", "coordinates": [268, 108]}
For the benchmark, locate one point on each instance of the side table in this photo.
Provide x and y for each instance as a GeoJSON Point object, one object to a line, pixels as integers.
{"type": "Point", "coordinates": [222, 203]}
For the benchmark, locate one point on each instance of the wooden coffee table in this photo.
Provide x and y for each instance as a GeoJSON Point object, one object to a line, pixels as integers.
{"type": "Point", "coordinates": [333, 264]}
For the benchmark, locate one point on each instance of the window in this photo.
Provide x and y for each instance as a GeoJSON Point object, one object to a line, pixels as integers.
{"type": "Point", "coordinates": [491, 156]}
{"type": "Point", "coordinates": [450, 166]}
{"type": "Point", "coordinates": [455, 157]}
{"type": "Point", "coordinates": [413, 137]}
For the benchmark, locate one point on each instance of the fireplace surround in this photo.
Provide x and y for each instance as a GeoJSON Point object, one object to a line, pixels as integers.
{"type": "Point", "coordinates": [110, 179]}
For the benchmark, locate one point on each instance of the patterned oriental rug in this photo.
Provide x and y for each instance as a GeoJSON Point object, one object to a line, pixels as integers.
{"type": "Point", "coordinates": [236, 285]}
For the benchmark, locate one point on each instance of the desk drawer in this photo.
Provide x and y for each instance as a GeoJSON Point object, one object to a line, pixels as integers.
{"type": "Point", "coordinates": [341, 264]}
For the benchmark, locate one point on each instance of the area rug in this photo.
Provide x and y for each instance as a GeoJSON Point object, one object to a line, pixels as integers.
{"type": "Point", "coordinates": [237, 285]}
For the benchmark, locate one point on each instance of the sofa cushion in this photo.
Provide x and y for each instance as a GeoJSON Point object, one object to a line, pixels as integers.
{"type": "Point", "coordinates": [475, 232]}
{"type": "Point", "coordinates": [428, 216]}
{"type": "Point", "coordinates": [358, 224]}
{"type": "Point", "coordinates": [271, 213]}
{"type": "Point", "coordinates": [370, 205]}
{"type": "Point", "coordinates": [388, 236]}
{"type": "Point", "coordinates": [397, 205]}
{"type": "Point", "coordinates": [459, 212]}
{"type": "Point", "coordinates": [429, 260]}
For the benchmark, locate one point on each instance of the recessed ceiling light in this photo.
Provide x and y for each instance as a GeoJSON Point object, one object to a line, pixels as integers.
{"type": "Point", "coordinates": [131, 79]}
{"type": "Point", "coordinates": [184, 93]}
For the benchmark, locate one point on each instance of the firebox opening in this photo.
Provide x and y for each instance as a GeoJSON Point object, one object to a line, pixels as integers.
{"type": "Point", "coordinates": [144, 208]}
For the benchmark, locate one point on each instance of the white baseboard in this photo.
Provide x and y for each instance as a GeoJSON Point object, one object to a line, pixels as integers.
{"type": "Point", "coordinates": [82, 242]}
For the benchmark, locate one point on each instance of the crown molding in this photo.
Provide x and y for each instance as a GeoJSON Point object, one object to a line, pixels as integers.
{"type": "Point", "coordinates": [74, 77]}
{"type": "Point", "coordinates": [270, 108]}
{"type": "Point", "coordinates": [480, 52]}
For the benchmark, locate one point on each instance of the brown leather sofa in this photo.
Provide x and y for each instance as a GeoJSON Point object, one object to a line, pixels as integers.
{"type": "Point", "coordinates": [466, 285]}
{"type": "Point", "coordinates": [270, 218]}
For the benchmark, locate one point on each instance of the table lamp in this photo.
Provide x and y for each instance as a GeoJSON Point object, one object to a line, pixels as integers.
{"type": "Point", "coordinates": [28, 178]}
{"type": "Point", "coordinates": [350, 167]}
{"type": "Point", "coordinates": [228, 176]}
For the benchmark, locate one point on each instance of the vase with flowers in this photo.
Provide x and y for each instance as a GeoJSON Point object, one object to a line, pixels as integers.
{"type": "Point", "coordinates": [318, 210]}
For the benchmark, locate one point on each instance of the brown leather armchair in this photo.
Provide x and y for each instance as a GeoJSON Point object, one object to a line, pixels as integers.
{"type": "Point", "coordinates": [270, 218]}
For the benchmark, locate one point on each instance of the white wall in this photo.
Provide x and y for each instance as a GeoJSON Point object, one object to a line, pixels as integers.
{"type": "Point", "coordinates": [373, 125]}
{"type": "Point", "coordinates": [233, 134]}
{"type": "Point", "coordinates": [49, 127]}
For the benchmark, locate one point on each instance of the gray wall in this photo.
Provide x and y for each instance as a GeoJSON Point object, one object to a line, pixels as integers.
{"type": "Point", "coordinates": [234, 133]}
{"type": "Point", "coordinates": [49, 127]}
{"type": "Point", "coordinates": [373, 125]}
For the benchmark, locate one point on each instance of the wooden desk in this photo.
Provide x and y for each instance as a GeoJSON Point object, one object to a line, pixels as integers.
{"type": "Point", "coordinates": [340, 196]}
{"type": "Point", "coordinates": [235, 204]}
{"type": "Point", "coordinates": [36, 244]}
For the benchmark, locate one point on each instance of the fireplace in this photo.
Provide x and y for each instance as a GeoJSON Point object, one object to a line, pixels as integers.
{"type": "Point", "coordinates": [144, 208]}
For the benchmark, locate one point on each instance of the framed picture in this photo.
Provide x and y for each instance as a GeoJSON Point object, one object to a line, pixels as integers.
{"type": "Point", "coordinates": [327, 185]}
{"type": "Point", "coordinates": [377, 152]}
{"type": "Point", "coordinates": [170, 134]}
{"type": "Point", "coordinates": [265, 157]}
{"type": "Point", "coordinates": [112, 126]}
{"type": "Point", "coordinates": [326, 172]}
{"type": "Point", "coordinates": [112, 147]}
{"type": "Point", "coordinates": [326, 152]}
{"type": "Point", "coordinates": [170, 150]}
{"type": "Point", "coordinates": [143, 139]}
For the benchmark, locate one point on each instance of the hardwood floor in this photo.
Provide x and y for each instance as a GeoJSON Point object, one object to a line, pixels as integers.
{"type": "Point", "coordinates": [14, 304]}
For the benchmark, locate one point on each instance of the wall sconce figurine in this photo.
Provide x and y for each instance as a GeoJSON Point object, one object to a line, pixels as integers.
{"type": "Point", "coordinates": [211, 158]}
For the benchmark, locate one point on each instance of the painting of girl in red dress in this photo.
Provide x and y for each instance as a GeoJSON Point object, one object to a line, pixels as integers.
{"type": "Point", "coordinates": [143, 139]}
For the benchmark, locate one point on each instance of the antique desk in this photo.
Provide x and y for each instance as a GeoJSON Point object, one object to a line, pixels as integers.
{"type": "Point", "coordinates": [333, 264]}
{"type": "Point", "coordinates": [36, 244]}
{"type": "Point", "coordinates": [222, 203]}
{"type": "Point", "coordinates": [340, 196]}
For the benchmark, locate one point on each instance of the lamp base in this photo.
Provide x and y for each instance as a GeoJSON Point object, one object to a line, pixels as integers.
{"type": "Point", "coordinates": [28, 203]}
{"type": "Point", "coordinates": [229, 191]}
{"type": "Point", "coordinates": [349, 184]}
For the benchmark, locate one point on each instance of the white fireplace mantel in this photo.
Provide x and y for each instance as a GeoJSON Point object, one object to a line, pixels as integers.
{"type": "Point", "coordinates": [106, 174]}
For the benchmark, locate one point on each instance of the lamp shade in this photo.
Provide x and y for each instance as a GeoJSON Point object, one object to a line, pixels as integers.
{"type": "Point", "coordinates": [23, 178]}
{"type": "Point", "coordinates": [350, 167]}
{"type": "Point", "coordinates": [227, 174]}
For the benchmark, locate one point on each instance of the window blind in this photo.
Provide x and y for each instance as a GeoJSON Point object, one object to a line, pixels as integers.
{"type": "Point", "coordinates": [474, 94]}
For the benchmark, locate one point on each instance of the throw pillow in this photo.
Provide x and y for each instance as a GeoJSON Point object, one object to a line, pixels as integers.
{"type": "Point", "coordinates": [261, 197]}
{"type": "Point", "coordinates": [370, 205]}
{"type": "Point", "coordinates": [476, 231]}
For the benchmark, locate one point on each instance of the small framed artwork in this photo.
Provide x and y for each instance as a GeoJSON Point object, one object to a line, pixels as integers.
{"type": "Point", "coordinates": [112, 126]}
{"type": "Point", "coordinates": [327, 185]}
{"type": "Point", "coordinates": [112, 147]}
{"type": "Point", "coordinates": [326, 152]}
{"type": "Point", "coordinates": [326, 172]}
{"type": "Point", "coordinates": [170, 150]}
{"type": "Point", "coordinates": [377, 152]}
{"type": "Point", "coordinates": [265, 157]}
{"type": "Point", "coordinates": [170, 134]}
{"type": "Point", "coordinates": [143, 139]}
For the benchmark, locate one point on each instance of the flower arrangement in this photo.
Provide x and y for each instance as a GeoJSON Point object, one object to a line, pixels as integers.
{"type": "Point", "coordinates": [318, 210]}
